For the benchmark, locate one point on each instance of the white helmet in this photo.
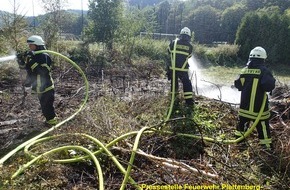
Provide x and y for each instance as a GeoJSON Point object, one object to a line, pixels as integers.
{"type": "Point", "coordinates": [185, 31]}
{"type": "Point", "coordinates": [258, 52]}
{"type": "Point", "coordinates": [37, 40]}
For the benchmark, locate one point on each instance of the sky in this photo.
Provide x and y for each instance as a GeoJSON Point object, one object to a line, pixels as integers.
{"type": "Point", "coordinates": [34, 8]}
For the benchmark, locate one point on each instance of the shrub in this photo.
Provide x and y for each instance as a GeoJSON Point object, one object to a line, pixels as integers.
{"type": "Point", "coordinates": [222, 55]}
{"type": "Point", "coordinates": [153, 49]}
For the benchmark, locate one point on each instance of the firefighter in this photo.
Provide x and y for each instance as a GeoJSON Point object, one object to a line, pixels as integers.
{"type": "Point", "coordinates": [254, 82]}
{"type": "Point", "coordinates": [180, 51]}
{"type": "Point", "coordinates": [38, 67]}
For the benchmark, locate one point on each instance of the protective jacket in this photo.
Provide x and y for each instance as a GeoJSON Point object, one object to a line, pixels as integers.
{"type": "Point", "coordinates": [180, 51]}
{"type": "Point", "coordinates": [38, 67]}
{"type": "Point", "coordinates": [254, 81]}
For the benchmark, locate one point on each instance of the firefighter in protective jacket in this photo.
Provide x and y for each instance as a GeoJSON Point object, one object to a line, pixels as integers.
{"type": "Point", "coordinates": [38, 67]}
{"type": "Point", "coordinates": [180, 51]}
{"type": "Point", "coordinates": [253, 82]}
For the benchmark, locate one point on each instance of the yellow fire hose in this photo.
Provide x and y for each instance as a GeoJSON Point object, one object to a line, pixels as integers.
{"type": "Point", "coordinates": [209, 139]}
{"type": "Point", "coordinates": [11, 153]}
{"type": "Point", "coordinates": [105, 148]}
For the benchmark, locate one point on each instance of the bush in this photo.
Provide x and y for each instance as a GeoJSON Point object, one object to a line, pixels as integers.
{"type": "Point", "coordinates": [221, 55]}
{"type": "Point", "coordinates": [153, 49]}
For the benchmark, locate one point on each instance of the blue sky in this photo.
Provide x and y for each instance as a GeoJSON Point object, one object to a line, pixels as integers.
{"type": "Point", "coordinates": [34, 8]}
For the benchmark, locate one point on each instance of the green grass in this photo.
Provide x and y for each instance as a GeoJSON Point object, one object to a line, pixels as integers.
{"type": "Point", "coordinates": [220, 75]}
{"type": "Point", "coordinates": [227, 75]}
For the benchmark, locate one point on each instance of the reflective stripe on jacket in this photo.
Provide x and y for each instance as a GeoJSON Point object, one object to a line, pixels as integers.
{"type": "Point", "coordinates": [180, 51]}
{"type": "Point", "coordinates": [253, 82]}
{"type": "Point", "coordinates": [39, 70]}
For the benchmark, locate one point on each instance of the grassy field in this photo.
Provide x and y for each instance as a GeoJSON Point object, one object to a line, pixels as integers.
{"type": "Point", "coordinates": [227, 75]}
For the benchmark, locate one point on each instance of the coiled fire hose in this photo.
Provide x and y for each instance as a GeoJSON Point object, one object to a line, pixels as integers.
{"type": "Point", "coordinates": [37, 139]}
{"type": "Point", "coordinates": [92, 155]}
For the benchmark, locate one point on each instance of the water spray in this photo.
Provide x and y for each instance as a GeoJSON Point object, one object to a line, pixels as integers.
{"type": "Point", "coordinates": [7, 58]}
{"type": "Point", "coordinates": [203, 86]}
{"type": "Point", "coordinates": [18, 55]}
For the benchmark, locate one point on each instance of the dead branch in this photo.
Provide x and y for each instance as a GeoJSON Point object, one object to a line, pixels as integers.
{"type": "Point", "coordinates": [216, 85]}
{"type": "Point", "coordinates": [172, 164]}
{"type": "Point", "coordinates": [11, 122]}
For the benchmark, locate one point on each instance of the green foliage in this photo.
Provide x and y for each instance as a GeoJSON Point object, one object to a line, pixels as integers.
{"type": "Point", "coordinates": [200, 52]}
{"type": "Point", "coordinates": [154, 50]}
{"type": "Point", "coordinates": [79, 53]}
{"type": "Point", "coordinates": [13, 32]}
{"type": "Point", "coordinates": [258, 4]}
{"type": "Point", "coordinates": [73, 23]}
{"type": "Point", "coordinates": [175, 18]}
{"type": "Point", "coordinates": [218, 4]}
{"type": "Point", "coordinates": [162, 13]}
{"type": "Point", "coordinates": [222, 55]}
{"type": "Point", "coordinates": [142, 3]}
{"type": "Point", "coordinates": [230, 20]}
{"type": "Point", "coordinates": [204, 21]}
{"type": "Point", "coordinates": [266, 28]}
{"type": "Point", "coordinates": [205, 119]}
{"type": "Point", "coordinates": [52, 26]}
{"type": "Point", "coordinates": [138, 21]}
{"type": "Point", "coordinates": [105, 19]}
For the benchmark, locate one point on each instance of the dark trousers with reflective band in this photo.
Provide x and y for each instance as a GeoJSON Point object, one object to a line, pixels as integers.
{"type": "Point", "coordinates": [46, 102]}
{"type": "Point", "coordinates": [187, 87]}
{"type": "Point", "coordinates": [263, 129]}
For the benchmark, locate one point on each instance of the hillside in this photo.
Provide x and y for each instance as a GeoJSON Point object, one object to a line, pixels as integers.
{"type": "Point", "coordinates": [121, 105]}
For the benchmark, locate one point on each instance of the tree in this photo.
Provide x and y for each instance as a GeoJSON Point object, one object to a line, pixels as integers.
{"type": "Point", "coordinates": [148, 19]}
{"type": "Point", "coordinates": [73, 23]}
{"type": "Point", "coordinates": [139, 21]}
{"type": "Point", "coordinates": [105, 18]}
{"type": "Point", "coordinates": [162, 12]}
{"type": "Point", "coordinates": [175, 18]}
{"type": "Point", "coordinates": [254, 5]}
{"type": "Point", "coordinates": [13, 32]}
{"type": "Point", "coordinates": [143, 3]}
{"type": "Point", "coordinates": [230, 20]}
{"type": "Point", "coordinates": [266, 28]}
{"type": "Point", "coordinates": [205, 23]}
{"type": "Point", "coordinates": [54, 19]}
{"type": "Point", "coordinates": [218, 4]}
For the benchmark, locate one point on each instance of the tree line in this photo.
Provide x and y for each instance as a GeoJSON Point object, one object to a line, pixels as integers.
{"type": "Point", "coordinates": [246, 23]}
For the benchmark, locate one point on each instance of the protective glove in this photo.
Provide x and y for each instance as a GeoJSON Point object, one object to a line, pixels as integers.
{"type": "Point", "coordinates": [20, 59]}
{"type": "Point", "coordinates": [19, 56]}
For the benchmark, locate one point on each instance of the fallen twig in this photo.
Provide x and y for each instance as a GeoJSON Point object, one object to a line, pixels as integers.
{"type": "Point", "coordinates": [172, 164]}
{"type": "Point", "coordinates": [11, 122]}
